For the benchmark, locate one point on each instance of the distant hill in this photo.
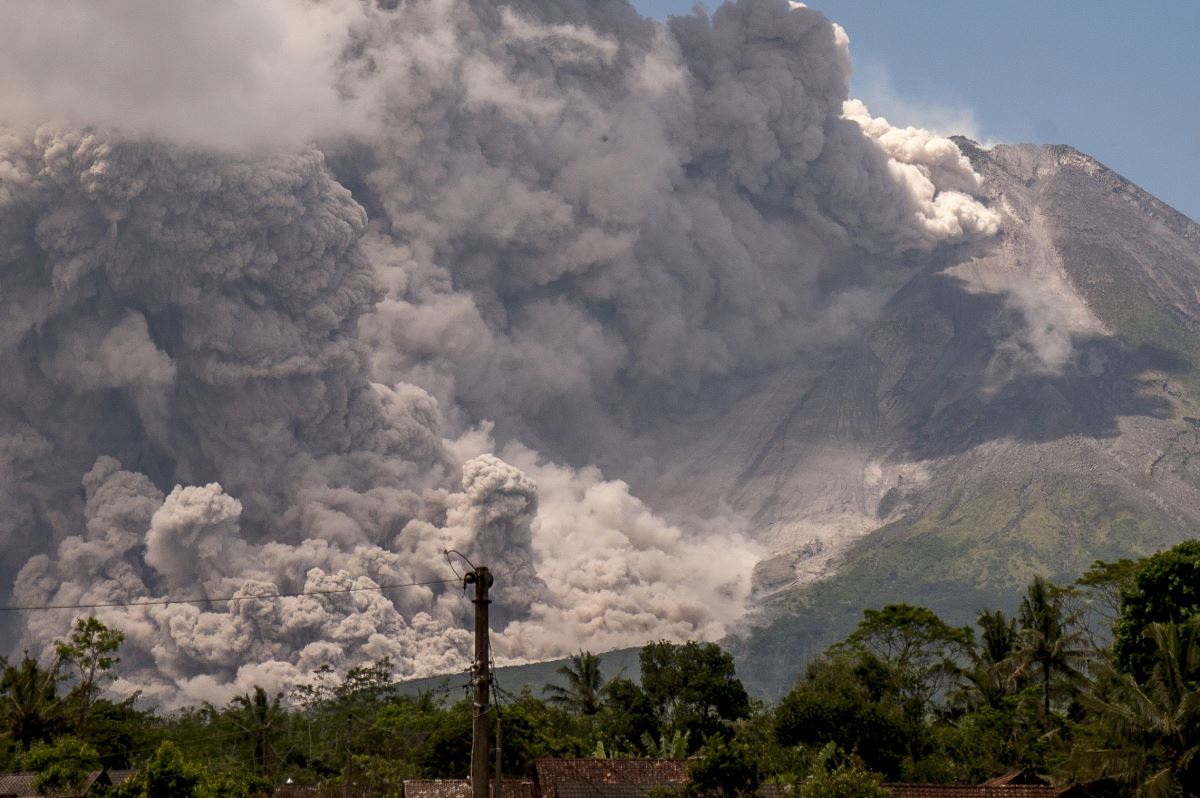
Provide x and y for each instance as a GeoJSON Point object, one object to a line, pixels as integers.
{"type": "Point", "coordinates": [511, 679]}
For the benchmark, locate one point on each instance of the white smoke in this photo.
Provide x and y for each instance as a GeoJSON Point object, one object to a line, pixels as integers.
{"type": "Point", "coordinates": [222, 73]}
{"type": "Point", "coordinates": [569, 220]}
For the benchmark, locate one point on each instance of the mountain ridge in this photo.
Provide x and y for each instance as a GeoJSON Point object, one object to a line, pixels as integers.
{"type": "Point", "coordinates": [1024, 410]}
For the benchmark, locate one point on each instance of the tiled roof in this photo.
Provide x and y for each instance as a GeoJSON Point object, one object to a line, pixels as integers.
{"type": "Point", "coordinates": [296, 791]}
{"type": "Point", "coordinates": [461, 788]}
{"type": "Point", "coordinates": [1023, 776]}
{"type": "Point", "coordinates": [17, 784]}
{"type": "Point", "coordinates": [519, 788]}
{"type": "Point", "coordinates": [118, 777]}
{"type": "Point", "coordinates": [21, 785]}
{"type": "Point", "coordinates": [645, 772]}
{"type": "Point", "coordinates": [592, 790]}
{"type": "Point", "coordinates": [985, 791]}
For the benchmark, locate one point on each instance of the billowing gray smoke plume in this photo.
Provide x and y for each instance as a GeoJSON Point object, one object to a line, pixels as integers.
{"type": "Point", "coordinates": [545, 224]}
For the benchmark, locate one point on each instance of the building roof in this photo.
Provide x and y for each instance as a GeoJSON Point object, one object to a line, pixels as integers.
{"type": "Point", "coordinates": [118, 777]}
{"type": "Point", "coordinates": [649, 772]}
{"type": "Point", "coordinates": [296, 791]}
{"type": "Point", "coordinates": [578, 778]}
{"type": "Point", "coordinates": [22, 785]}
{"type": "Point", "coordinates": [989, 790]}
{"type": "Point", "coordinates": [461, 788]}
{"type": "Point", "coordinates": [1022, 776]}
{"type": "Point", "coordinates": [17, 784]}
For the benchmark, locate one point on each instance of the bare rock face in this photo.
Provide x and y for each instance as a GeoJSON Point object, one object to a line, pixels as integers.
{"type": "Point", "coordinates": [1022, 409]}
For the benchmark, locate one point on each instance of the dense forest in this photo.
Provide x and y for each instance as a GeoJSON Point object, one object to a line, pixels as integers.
{"type": "Point", "coordinates": [1096, 682]}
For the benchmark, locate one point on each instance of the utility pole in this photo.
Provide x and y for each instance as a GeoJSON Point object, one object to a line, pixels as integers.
{"type": "Point", "coordinates": [346, 780]}
{"type": "Point", "coordinates": [497, 776]}
{"type": "Point", "coordinates": [482, 681]}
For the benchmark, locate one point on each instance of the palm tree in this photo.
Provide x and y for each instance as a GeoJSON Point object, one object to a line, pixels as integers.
{"type": "Point", "coordinates": [585, 688]}
{"type": "Point", "coordinates": [1153, 728]}
{"type": "Point", "coordinates": [30, 707]}
{"type": "Point", "coordinates": [259, 717]}
{"type": "Point", "coordinates": [1046, 645]}
{"type": "Point", "coordinates": [987, 681]}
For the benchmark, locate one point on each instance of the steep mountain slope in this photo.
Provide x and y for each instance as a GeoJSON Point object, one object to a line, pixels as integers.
{"type": "Point", "coordinates": [1019, 410]}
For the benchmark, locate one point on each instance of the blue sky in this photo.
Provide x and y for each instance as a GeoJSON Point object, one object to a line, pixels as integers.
{"type": "Point", "coordinates": [1118, 80]}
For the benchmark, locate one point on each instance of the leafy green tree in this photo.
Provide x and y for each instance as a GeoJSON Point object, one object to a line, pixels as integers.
{"type": "Point", "coordinates": [923, 651]}
{"type": "Point", "coordinates": [236, 784]}
{"type": "Point", "coordinates": [336, 714]}
{"type": "Point", "coordinates": [851, 699]}
{"type": "Point", "coordinates": [91, 653]}
{"type": "Point", "coordinates": [116, 728]}
{"type": "Point", "coordinates": [1148, 733]}
{"type": "Point", "coordinates": [724, 767]}
{"type": "Point", "coordinates": [694, 687]}
{"type": "Point", "coordinates": [1105, 582]}
{"type": "Point", "coordinates": [1047, 647]}
{"type": "Point", "coordinates": [1166, 588]}
{"type": "Point", "coordinates": [831, 774]}
{"type": "Point", "coordinates": [62, 765]}
{"type": "Point", "coordinates": [445, 753]}
{"type": "Point", "coordinates": [400, 729]}
{"type": "Point", "coordinates": [584, 692]}
{"type": "Point", "coordinates": [534, 729]}
{"type": "Point", "coordinates": [30, 708]}
{"type": "Point", "coordinates": [369, 683]}
{"type": "Point", "coordinates": [169, 775]}
{"type": "Point", "coordinates": [629, 716]}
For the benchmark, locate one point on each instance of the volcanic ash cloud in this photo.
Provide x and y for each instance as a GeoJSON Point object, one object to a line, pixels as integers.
{"type": "Point", "coordinates": [566, 221]}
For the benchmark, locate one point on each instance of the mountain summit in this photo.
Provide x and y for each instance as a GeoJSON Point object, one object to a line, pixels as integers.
{"type": "Point", "coordinates": [1025, 409]}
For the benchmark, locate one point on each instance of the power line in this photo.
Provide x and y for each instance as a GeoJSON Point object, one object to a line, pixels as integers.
{"type": "Point", "coordinates": [263, 596]}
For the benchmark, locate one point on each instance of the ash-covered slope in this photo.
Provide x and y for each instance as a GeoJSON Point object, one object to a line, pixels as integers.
{"type": "Point", "coordinates": [1025, 410]}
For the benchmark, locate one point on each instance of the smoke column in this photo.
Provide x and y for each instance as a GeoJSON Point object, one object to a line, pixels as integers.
{"type": "Point", "coordinates": [510, 239]}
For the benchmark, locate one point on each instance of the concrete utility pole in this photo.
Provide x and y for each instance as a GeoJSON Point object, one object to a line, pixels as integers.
{"type": "Point", "coordinates": [497, 776]}
{"type": "Point", "coordinates": [482, 681]}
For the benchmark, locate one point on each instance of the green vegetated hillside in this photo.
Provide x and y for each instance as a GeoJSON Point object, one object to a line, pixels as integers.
{"type": "Point", "coordinates": [973, 553]}
{"type": "Point", "coordinates": [1041, 470]}
{"type": "Point", "coordinates": [981, 543]}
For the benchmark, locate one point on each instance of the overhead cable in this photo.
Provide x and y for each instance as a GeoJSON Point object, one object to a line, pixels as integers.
{"type": "Point", "coordinates": [216, 600]}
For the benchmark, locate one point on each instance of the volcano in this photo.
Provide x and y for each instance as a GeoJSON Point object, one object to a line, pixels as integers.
{"type": "Point", "coordinates": [1023, 409]}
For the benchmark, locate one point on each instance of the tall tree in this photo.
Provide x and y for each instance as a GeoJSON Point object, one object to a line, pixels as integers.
{"type": "Point", "coordinates": [584, 691]}
{"type": "Point", "coordinates": [91, 652]}
{"type": "Point", "coordinates": [724, 769]}
{"type": "Point", "coordinates": [853, 699]}
{"type": "Point", "coordinates": [1150, 732]}
{"type": "Point", "coordinates": [62, 766]}
{"type": "Point", "coordinates": [260, 718]}
{"type": "Point", "coordinates": [923, 651]}
{"type": "Point", "coordinates": [694, 687]}
{"type": "Point", "coordinates": [169, 775]}
{"type": "Point", "coordinates": [30, 707]}
{"type": "Point", "coordinates": [1166, 588]}
{"type": "Point", "coordinates": [629, 717]}
{"type": "Point", "coordinates": [988, 679]}
{"type": "Point", "coordinates": [1105, 582]}
{"type": "Point", "coordinates": [1047, 646]}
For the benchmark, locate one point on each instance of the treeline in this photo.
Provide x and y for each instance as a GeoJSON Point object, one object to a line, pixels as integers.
{"type": "Point", "coordinates": [1095, 682]}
